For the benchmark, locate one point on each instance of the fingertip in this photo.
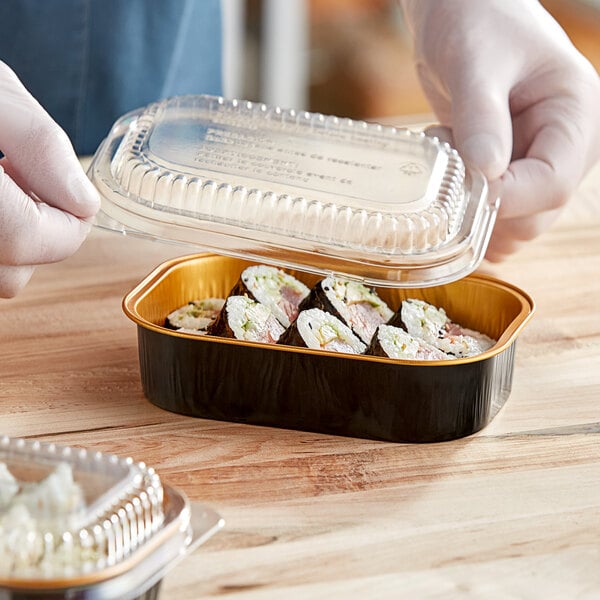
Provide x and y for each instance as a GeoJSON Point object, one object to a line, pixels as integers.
{"type": "Point", "coordinates": [532, 186]}
{"type": "Point", "coordinates": [86, 226]}
{"type": "Point", "coordinates": [501, 249]}
{"type": "Point", "coordinates": [482, 151]}
{"type": "Point", "coordinates": [85, 200]}
{"type": "Point", "coordinates": [482, 124]}
{"type": "Point", "coordinates": [14, 279]}
{"type": "Point", "coordinates": [485, 151]}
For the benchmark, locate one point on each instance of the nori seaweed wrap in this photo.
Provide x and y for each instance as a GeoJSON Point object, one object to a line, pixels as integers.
{"type": "Point", "coordinates": [319, 330]}
{"type": "Point", "coordinates": [432, 324]}
{"type": "Point", "coordinates": [279, 291]}
{"type": "Point", "coordinates": [394, 342]}
{"type": "Point", "coordinates": [195, 316]}
{"type": "Point", "coordinates": [355, 304]}
{"type": "Point", "coordinates": [245, 319]}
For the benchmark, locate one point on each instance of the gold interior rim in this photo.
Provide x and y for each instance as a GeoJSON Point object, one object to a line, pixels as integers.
{"type": "Point", "coordinates": [509, 335]}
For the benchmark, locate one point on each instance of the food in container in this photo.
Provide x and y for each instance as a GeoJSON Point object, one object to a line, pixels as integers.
{"type": "Point", "coordinates": [343, 313]}
{"type": "Point", "coordinates": [314, 328]}
{"type": "Point", "coordinates": [195, 316]}
{"type": "Point", "coordinates": [432, 324]}
{"type": "Point", "coordinates": [317, 390]}
{"type": "Point", "coordinates": [357, 305]}
{"type": "Point", "coordinates": [36, 512]}
{"type": "Point", "coordinates": [273, 288]}
{"type": "Point", "coordinates": [245, 319]}
{"type": "Point", "coordinates": [8, 486]}
{"type": "Point", "coordinates": [81, 524]}
{"type": "Point", "coordinates": [394, 342]}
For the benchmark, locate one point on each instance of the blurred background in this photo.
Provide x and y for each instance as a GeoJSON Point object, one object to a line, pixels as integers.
{"type": "Point", "coordinates": [351, 58]}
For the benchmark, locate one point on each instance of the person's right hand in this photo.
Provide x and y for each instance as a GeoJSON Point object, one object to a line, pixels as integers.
{"type": "Point", "coordinates": [46, 200]}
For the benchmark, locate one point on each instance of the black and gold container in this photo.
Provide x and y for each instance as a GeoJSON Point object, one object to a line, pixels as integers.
{"type": "Point", "coordinates": [315, 390]}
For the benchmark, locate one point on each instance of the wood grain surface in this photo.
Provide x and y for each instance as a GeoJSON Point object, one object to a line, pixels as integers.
{"type": "Point", "coordinates": [512, 512]}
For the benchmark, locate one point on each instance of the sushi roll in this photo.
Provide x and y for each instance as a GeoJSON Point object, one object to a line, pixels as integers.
{"type": "Point", "coordinates": [355, 304]}
{"type": "Point", "coordinates": [319, 330]}
{"type": "Point", "coordinates": [195, 316]}
{"type": "Point", "coordinates": [277, 290]}
{"type": "Point", "coordinates": [245, 319]}
{"type": "Point", "coordinates": [432, 324]}
{"type": "Point", "coordinates": [394, 342]}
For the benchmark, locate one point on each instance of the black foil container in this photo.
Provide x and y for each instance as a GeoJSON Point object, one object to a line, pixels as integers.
{"type": "Point", "coordinates": [312, 390]}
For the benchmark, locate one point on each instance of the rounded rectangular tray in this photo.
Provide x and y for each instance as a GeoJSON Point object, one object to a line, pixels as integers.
{"type": "Point", "coordinates": [314, 390]}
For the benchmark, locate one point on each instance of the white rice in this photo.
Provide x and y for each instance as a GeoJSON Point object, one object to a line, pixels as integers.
{"type": "Point", "coordinates": [320, 330]}
{"type": "Point", "coordinates": [252, 321]}
{"type": "Point", "coordinates": [432, 324]}
{"type": "Point", "coordinates": [361, 308]}
{"type": "Point", "coordinates": [196, 315]}
{"type": "Point", "coordinates": [279, 291]}
{"type": "Point", "coordinates": [397, 343]}
{"type": "Point", "coordinates": [33, 509]}
{"type": "Point", "coordinates": [8, 486]}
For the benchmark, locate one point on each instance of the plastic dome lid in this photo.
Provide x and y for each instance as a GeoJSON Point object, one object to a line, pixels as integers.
{"type": "Point", "coordinates": [388, 206]}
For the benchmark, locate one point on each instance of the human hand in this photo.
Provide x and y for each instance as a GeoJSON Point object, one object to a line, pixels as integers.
{"type": "Point", "coordinates": [46, 200]}
{"type": "Point", "coordinates": [522, 103]}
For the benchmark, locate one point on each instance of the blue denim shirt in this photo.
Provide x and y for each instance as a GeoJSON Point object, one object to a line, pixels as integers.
{"type": "Point", "coordinates": [89, 61]}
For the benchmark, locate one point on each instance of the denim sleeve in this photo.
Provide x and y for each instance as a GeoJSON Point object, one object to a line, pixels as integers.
{"type": "Point", "coordinates": [89, 61]}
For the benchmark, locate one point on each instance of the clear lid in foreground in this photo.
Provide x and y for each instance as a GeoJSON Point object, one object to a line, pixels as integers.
{"type": "Point", "coordinates": [388, 206]}
{"type": "Point", "coordinates": [66, 512]}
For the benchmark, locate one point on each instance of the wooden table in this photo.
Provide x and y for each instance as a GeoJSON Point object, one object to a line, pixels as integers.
{"type": "Point", "coordinates": [512, 512]}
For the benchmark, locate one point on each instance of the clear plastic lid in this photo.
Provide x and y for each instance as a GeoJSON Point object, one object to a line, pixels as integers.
{"type": "Point", "coordinates": [388, 206]}
{"type": "Point", "coordinates": [71, 517]}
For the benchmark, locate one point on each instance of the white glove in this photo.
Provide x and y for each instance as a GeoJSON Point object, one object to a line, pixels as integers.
{"type": "Point", "coordinates": [45, 197]}
{"type": "Point", "coordinates": [522, 103]}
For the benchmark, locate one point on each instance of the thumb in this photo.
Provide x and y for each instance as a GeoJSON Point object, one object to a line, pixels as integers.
{"type": "Point", "coordinates": [482, 129]}
{"type": "Point", "coordinates": [40, 155]}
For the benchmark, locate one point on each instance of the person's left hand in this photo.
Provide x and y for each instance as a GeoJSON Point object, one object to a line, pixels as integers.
{"type": "Point", "coordinates": [522, 103]}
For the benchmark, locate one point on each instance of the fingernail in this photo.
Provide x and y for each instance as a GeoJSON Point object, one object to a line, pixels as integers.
{"type": "Point", "coordinates": [86, 226]}
{"type": "Point", "coordinates": [484, 151]}
{"type": "Point", "coordinates": [85, 195]}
